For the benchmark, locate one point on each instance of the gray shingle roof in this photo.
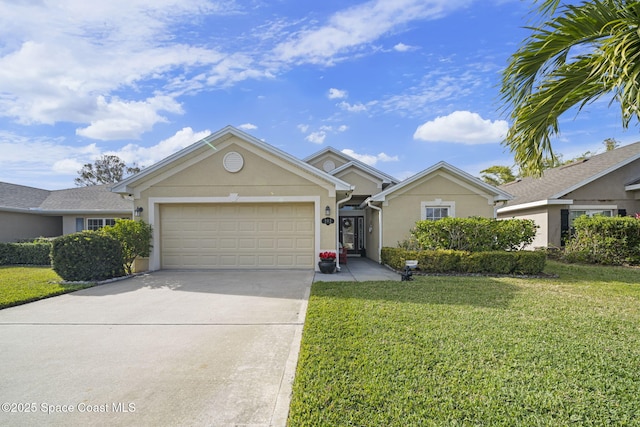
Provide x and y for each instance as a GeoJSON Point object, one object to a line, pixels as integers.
{"type": "Point", "coordinates": [557, 182]}
{"type": "Point", "coordinates": [80, 199]}
{"type": "Point", "coordinates": [20, 197]}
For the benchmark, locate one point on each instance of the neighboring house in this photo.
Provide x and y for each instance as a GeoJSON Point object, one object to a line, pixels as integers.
{"type": "Point", "coordinates": [233, 201]}
{"type": "Point", "coordinates": [27, 213]}
{"type": "Point", "coordinates": [605, 184]}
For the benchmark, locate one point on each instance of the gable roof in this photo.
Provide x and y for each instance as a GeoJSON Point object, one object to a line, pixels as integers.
{"type": "Point", "coordinates": [126, 186]}
{"type": "Point", "coordinates": [498, 194]}
{"type": "Point", "coordinates": [558, 182]}
{"type": "Point", "coordinates": [91, 199]}
{"type": "Point", "coordinates": [351, 162]}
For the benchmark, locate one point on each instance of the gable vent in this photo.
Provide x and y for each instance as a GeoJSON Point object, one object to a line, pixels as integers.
{"type": "Point", "coordinates": [233, 162]}
{"type": "Point", "coordinates": [328, 166]}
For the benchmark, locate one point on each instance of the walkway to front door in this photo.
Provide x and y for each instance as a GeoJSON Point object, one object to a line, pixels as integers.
{"type": "Point", "coordinates": [359, 269]}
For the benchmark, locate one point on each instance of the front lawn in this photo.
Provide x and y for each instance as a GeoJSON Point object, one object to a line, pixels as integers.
{"type": "Point", "coordinates": [19, 285]}
{"type": "Point", "coordinates": [473, 351]}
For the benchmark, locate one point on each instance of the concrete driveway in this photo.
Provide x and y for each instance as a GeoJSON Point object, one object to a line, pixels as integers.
{"type": "Point", "coordinates": [168, 348]}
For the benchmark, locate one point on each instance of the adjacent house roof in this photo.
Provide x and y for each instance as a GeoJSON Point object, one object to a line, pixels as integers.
{"type": "Point", "coordinates": [126, 186]}
{"type": "Point", "coordinates": [92, 199]}
{"type": "Point", "coordinates": [498, 194]}
{"type": "Point", "coordinates": [558, 182]}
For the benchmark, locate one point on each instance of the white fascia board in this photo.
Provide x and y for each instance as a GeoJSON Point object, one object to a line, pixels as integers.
{"type": "Point", "coordinates": [633, 187]}
{"type": "Point", "coordinates": [126, 186]}
{"type": "Point", "coordinates": [536, 204]}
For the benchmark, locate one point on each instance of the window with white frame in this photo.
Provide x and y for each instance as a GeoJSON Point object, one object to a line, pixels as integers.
{"type": "Point", "coordinates": [575, 213]}
{"type": "Point", "coordinates": [97, 223]}
{"type": "Point", "coordinates": [436, 209]}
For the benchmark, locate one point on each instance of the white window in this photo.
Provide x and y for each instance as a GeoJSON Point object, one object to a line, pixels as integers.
{"type": "Point", "coordinates": [575, 213]}
{"type": "Point", "coordinates": [98, 223]}
{"type": "Point", "coordinates": [436, 209]}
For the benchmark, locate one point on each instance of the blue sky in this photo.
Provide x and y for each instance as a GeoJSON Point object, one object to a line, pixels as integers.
{"type": "Point", "coordinates": [398, 84]}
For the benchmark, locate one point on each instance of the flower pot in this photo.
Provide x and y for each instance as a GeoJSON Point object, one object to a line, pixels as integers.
{"type": "Point", "coordinates": [327, 266]}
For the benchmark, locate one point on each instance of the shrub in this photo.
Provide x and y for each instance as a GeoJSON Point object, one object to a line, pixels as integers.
{"type": "Point", "coordinates": [87, 256]}
{"type": "Point", "coordinates": [35, 253]}
{"type": "Point", "coordinates": [134, 237]}
{"type": "Point", "coordinates": [474, 234]}
{"type": "Point", "coordinates": [452, 261]}
{"type": "Point", "coordinates": [604, 240]}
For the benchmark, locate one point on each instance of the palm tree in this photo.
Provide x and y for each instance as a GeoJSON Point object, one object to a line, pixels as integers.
{"type": "Point", "coordinates": [576, 56]}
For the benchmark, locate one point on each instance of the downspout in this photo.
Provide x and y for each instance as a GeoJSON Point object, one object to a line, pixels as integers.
{"type": "Point", "coordinates": [338, 203]}
{"type": "Point", "coordinates": [379, 229]}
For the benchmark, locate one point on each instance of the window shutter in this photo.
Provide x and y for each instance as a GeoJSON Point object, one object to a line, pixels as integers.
{"type": "Point", "coordinates": [622, 212]}
{"type": "Point", "coordinates": [564, 225]}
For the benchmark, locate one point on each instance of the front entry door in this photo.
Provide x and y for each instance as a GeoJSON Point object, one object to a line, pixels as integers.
{"type": "Point", "coordinates": [351, 233]}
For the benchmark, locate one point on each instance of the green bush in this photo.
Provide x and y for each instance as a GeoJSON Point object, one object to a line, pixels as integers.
{"type": "Point", "coordinates": [475, 234]}
{"type": "Point", "coordinates": [35, 253]}
{"type": "Point", "coordinates": [134, 237]}
{"type": "Point", "coordinates": [604, 240]}
{"type": "Point", "coordinates": [452, 261]}
{"type": "Point", "coordinates": [87, 256]}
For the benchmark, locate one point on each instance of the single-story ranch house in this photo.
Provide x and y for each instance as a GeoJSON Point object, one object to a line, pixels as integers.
{"type": "Point", "coordinates": [27, 213]}
{"type": "Point", "coordinates": [233, 201]}
{"type": "Point", "coordinates": [605, 184]}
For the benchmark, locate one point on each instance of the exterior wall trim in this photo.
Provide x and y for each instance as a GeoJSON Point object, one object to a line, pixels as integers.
{"type": "Point", "coordinates": [535, 205]}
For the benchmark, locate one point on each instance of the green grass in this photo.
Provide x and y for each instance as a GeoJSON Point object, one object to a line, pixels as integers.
{"type": "Point", "coordinates": [19, 285]}
{"type": "Point", "coordinates": [476, 351]}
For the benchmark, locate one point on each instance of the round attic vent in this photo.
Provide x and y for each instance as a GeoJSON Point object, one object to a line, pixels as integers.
{"type": "Point", "coordinates": [233, 162]}
{"type": "Point", "coordinates": [328, 166]}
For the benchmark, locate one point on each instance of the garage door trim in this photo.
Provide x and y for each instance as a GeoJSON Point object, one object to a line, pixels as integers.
{"type": "Point", "coordinates": [154, 215]}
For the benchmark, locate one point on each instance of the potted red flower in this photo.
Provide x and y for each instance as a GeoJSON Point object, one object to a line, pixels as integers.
{"type": "Point", "coordinates": [327, 262]}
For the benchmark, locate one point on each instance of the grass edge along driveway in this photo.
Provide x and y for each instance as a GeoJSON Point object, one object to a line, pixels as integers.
{"type": "Point", "coordinates": [473, 351]}
{"type": "Point", "coordinates": [20, 285]}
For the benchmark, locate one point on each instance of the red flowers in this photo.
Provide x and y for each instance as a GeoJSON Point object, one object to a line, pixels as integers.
{"type": "Point", "coordinates": [327, 256]}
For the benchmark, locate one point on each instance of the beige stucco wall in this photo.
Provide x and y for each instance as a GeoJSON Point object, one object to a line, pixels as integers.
{"type": "Point", "coordinates": [16, 226]}
{"type": "Point", "coordinates": [372, 240]}
{"type": "Point", "coordinates": [541, 218]}
{"type": "Point", "coordinates": [366, 185]}
{"type": "Point", "coordinates": [319, 162]}
{"type": "Point", "coordinates": [402, 210]}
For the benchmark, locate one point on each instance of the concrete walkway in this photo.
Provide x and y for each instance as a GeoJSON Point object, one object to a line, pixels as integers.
{"type": "Point", "coordinates": [359, 269]}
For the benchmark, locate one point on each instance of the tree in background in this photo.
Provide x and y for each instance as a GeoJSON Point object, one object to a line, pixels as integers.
{"type": "Point", "coordinates": [108, 169]}
{"type": "Point", "coordinates": [497, 175]}
{"type": "Point", "coordinates": [574, 57]}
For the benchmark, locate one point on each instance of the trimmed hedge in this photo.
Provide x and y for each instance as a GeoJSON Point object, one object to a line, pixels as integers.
{"type": "Point", "coordinates": [604, 240]}
{"type": "Point", "coordinates": [36, 253]}
{"type": "Point", "coordinates": [451, 261]}
{"type": "Point", "coordinates": [475, 234]}
{"type": "Point", "coordinates": [87, 256]}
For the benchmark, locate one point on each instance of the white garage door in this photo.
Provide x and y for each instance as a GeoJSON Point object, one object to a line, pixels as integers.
{"type": "Point", "coordinates": [239, 235]}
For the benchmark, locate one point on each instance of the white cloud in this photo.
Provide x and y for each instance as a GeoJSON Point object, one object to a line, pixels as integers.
{"type": "Point", "coordinates": [337, 93]}
{"type": "Point", "coordinates": [462, 127]}
{"type": "Point", "coordinates": [303, 128]}
{"type": "Point", "coordinates": [359, 25]}
{"type": "Point", "coordinates": [352, 108]}
{"type": "Point", "coordinates": [317, 137]}
{"type": "Point", "coordinates": [401, 47]}
{"type": "Point", "coordinates": [146, 156]}
{"type": "Point", "coordinates": [119, 119]}
{"type": "Point", "coordinates": [248, 126]}
{"type": "Point", "coordinates": [370, 159]}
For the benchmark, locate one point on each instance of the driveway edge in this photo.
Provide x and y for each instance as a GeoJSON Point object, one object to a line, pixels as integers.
{"type": "Point", "coordinates": [283, 401]}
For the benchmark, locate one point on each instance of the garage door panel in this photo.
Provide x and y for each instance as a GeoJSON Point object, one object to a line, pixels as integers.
{"type": "Point", "coordinates": [237, 236]}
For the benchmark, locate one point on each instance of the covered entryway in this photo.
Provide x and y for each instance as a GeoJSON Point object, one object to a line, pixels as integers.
{"type": "Point", "coordinates": [237, 235]}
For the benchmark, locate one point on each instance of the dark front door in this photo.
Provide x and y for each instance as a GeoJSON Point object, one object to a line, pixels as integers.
{"type": "Point", "coordinates": [351, 233]}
